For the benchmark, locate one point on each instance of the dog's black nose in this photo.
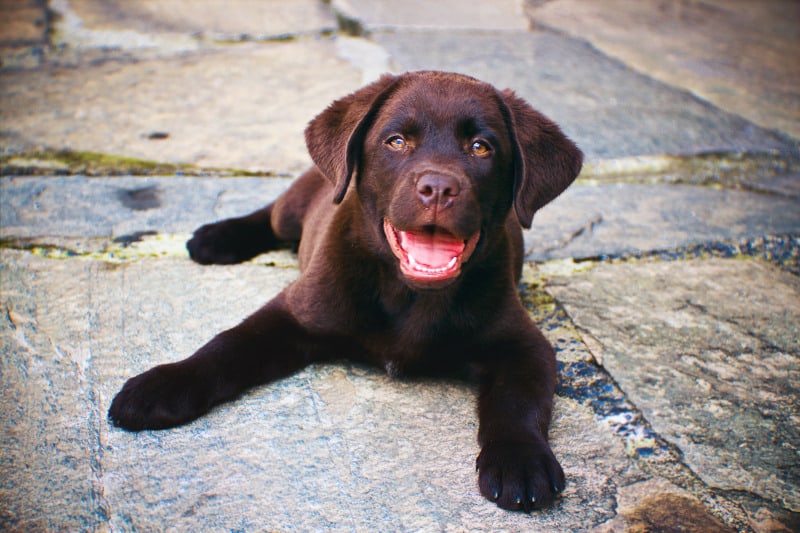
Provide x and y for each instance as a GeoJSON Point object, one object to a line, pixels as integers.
{"type": "Point", "coordinates": [435, 190]}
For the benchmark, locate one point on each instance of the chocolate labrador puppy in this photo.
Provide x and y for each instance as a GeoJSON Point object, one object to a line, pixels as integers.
{"type": "Point", "coordinates": [410, 246]}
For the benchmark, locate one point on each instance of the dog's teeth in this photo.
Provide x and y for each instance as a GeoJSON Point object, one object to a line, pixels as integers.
{"type": "Point", "coordinates": [423, 268]}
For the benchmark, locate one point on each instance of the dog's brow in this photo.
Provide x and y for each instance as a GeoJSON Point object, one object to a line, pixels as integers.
{"type": "Point", "coordinates": [469, 126]}
{"type": "Point", "coordinates": [407, 125]}
{"type": "Point", "coordinates": [472, 126]}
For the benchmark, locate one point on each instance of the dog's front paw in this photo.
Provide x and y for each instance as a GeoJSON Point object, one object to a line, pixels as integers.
{"type": "Point", "coordinates": [160, 398]}
{"type": "Point", "coordinates": [519, 476]}
{"type": "Point", "coordinates": [227, 242]}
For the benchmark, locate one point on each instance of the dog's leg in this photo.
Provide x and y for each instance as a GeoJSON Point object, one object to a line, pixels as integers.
{"type": "Point", "coordinates": [268, 345]}
{"type": "Point", "coordinates": [517, 468]}
{"type": "Point", "coordinates": [238, 239]}
{"type": "Point", "coordinates": [233, 240]}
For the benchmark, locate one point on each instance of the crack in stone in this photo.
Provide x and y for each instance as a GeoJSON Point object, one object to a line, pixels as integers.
{"type": "Point", "coordinates": [96, 418]}
{"type": "Point", "coordinates": [19, 334]}
{"type": "Point", "coordinates": [766, 344]}
{"type": "Point", "coordinates": [133, 247]}
{"type": "Point", "coordinates": [587, 228]}
{"type": "Point", "coordinates": [782, 250]}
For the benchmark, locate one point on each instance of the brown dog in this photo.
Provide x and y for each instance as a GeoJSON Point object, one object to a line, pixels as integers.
{"type": "Point", "coordinates": [410, 244]}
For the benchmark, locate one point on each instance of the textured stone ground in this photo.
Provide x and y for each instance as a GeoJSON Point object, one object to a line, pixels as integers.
{"type": "Point", "coordinates": [666, 277]}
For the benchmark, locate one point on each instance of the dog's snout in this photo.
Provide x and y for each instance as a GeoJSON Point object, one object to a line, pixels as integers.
{"type": "Point", "coordinates": [436, 190]}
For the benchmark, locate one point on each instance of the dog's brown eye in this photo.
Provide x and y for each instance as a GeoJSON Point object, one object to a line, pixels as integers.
{"type": "Point", "coordinates": [480, 149]}
{"type": "Point", "coordinates": [396, 142]}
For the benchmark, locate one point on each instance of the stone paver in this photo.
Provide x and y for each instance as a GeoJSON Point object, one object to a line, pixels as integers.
{"type": "Point", "coordinates": [710, 351]}
{"type": "Point", "coordinates": [586, 221]}
{"type": "Point", "coordinates": [244, 107]}
{"type": "Point", "coordinates": [316, 450]}
{"type": "Point", "coordinates": [608, 109]}
{"type": "Point", "coordinates": [599, 101]}
{"type": "Point", "coordinates": [23, 32]}
{"type": "Point", "coordinates": [77, 206]}
{"type": "Point", "coordinates": [742, 56]}
{"type": "Point", "coordinates": [592, 220]}
{"type": "Point", "coordinates": [22, 22]}
{"type": "Point", "coordinates": [228, 20]}
{"type": "Point", "coordinates": [415, 15]}
{"type": "Point", "coordinates": [666, 277]}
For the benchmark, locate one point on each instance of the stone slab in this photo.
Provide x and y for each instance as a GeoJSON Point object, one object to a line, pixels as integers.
{"type": "Point", "coordinates": [709, 350]}
{"type": "Point", "coordinates": [593, 220]}
{"type": "Point", "coordinates": [24, 26]}
{"type": "Point", "coordinates": [333, 447]}
{"type": "Point", "coordinates": [78, 206]}
{"type": "Point", "coordinates": [22, 22]}
{"type": "Point", "coordinates": [243, 106]}
{"type": "Point", "coordinates": [610, 110]}
{"type": "Point", "coordinates": [585, 221]}
{"type": "Point", "coordinates": [370, 16]}
{"type": "Point", "coordinates": [231, 20]}
{"type": "Point", "coordinates": [742, 56]}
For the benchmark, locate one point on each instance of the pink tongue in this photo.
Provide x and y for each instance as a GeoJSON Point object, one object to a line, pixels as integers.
{"type": "Point", "coordinates": [431, 249]}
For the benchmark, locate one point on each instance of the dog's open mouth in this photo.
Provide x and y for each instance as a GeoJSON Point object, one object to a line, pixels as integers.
{"type": "Point", "coordinates": [430, 254]}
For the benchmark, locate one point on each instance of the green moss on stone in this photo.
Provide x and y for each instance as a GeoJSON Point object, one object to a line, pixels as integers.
{"type": "Point", "coordinates": [72, 162]}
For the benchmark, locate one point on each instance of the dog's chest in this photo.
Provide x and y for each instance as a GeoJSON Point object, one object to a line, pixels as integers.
{"type": "Point", "coordinates": [422, 338]}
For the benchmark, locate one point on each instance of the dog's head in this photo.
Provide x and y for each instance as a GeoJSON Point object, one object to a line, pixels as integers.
{"type": "Point", "coordinates": [439, 161]}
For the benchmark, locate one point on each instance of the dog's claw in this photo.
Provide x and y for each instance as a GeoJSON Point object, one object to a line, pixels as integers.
{"type": "Point", "coordinates": [516, 484]}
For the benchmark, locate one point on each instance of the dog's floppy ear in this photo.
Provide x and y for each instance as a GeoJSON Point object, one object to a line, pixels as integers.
{"type": "Point", "coordinates": [545, 160]}
{"type": "Point", "coordinates": [334, 138]}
